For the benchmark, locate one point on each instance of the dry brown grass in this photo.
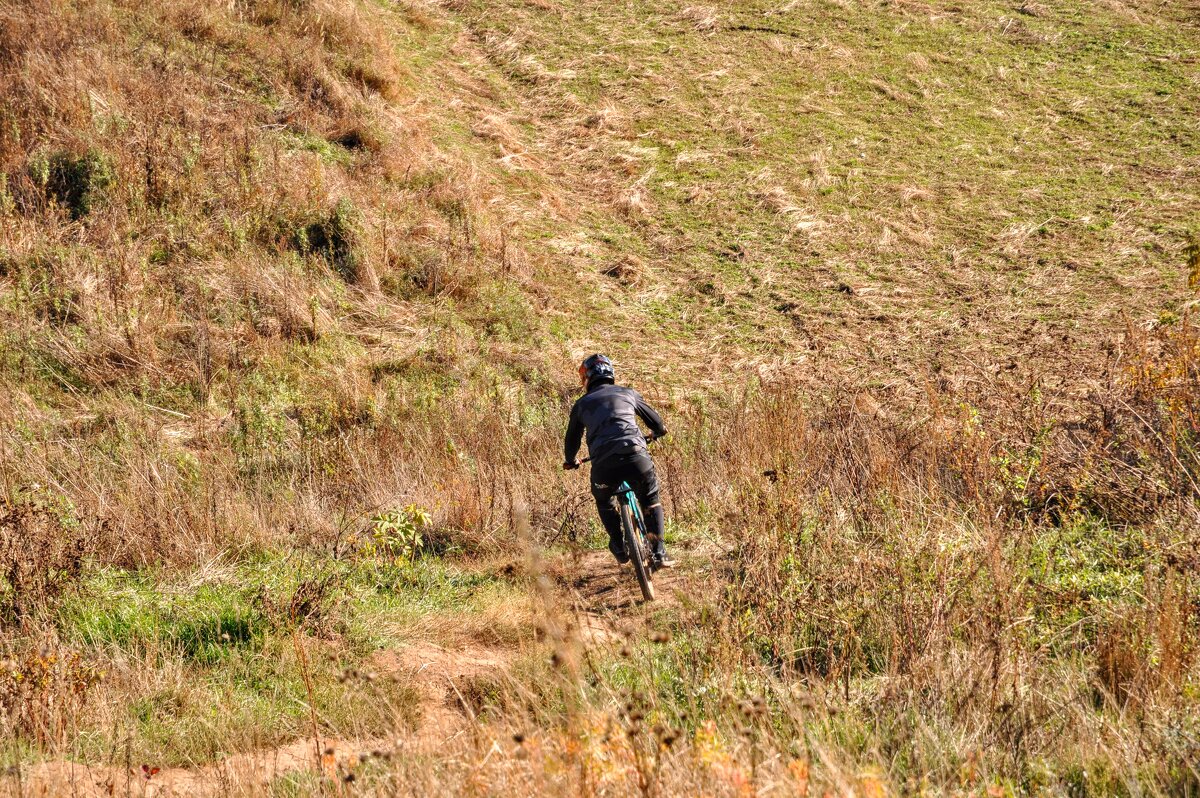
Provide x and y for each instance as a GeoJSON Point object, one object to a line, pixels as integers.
{"type": "Point", "coordinates": [256, 291]}
{"type": "Point", "coordinates": [219, 245]}
{"type": "Point", "coordinates": [896, 567]}
{"type": "Point", "coordinates": [887, 570]}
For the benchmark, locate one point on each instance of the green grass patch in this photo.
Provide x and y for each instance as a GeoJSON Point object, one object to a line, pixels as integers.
{"type": "Point", "coordinates": [218, 652]}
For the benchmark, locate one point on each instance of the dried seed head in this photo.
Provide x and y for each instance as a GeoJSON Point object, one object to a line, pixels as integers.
{"type": "Point", "coordinates": [518, 738]}
{"type": "Point", "coordinates": [348, 778]}
{"type": "Point", "coordinates": [626, 651]}
{"type": "Point", "coordinates": [661, 637]}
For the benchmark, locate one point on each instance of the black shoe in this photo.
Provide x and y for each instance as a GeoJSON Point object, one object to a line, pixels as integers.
{"type": "Point", "coordinates": [658, 564]}
{"type": "Point", "coordinates": [621, 556]}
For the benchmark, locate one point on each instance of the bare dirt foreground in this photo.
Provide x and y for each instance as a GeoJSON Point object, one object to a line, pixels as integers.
{"type": "Point", "coordinates": [600, 601]}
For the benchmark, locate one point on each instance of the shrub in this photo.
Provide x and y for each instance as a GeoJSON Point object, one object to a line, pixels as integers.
{"type": "Point", "coordinates": [399, 533]}
{"type": "Point", "coordinates": [43, 689]}
{"type": "Point", "coordinates": [334, 237]}
{"type": "Point", "coordinates": [76, 183]}
{"type": "Point", "coordinates": [41, 551]}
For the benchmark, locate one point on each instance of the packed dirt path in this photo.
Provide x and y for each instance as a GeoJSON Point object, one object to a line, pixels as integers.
{"type": "Point", "coordinates": [600, 596]}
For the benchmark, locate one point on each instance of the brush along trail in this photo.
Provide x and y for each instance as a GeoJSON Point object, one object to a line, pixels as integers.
{"type": "Point", "coordinates": [598, 599]}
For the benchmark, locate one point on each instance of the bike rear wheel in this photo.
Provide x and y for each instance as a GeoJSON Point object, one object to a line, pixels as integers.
{"type": "Point", "coordinates": [639, 552]}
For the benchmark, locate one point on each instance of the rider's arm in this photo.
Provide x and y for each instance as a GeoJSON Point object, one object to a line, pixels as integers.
{"type": "Point", "coordinates": [652, 419]}
{"type": "Point", "coordinates": [573, 438]}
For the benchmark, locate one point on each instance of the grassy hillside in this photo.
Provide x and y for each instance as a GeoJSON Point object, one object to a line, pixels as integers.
{"type": "Point", "coordinates": [900, 185]}
{"type": "Point", "coordinates": [291, 295]}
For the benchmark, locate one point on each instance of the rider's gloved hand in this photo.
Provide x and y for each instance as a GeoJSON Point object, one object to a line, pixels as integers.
{"type": "Point", "coordinates": [571, 466]}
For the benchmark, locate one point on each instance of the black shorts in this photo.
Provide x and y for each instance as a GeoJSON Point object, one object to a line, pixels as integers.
{"type": "Point", "coordinates": [634, 467]}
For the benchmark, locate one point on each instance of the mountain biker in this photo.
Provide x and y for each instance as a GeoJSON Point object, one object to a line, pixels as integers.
{"type": "Point", "coordinates": [609, 414]}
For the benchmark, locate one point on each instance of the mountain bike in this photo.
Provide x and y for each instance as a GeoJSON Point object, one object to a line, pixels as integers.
{"type": "Point", "coordinates": [637, 541]}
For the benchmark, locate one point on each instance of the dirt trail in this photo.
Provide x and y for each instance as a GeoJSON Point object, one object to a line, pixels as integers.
{"type": "Point", "coordinates": [606, 598]}
{"type": "Point", "coordinates": [602, 596]}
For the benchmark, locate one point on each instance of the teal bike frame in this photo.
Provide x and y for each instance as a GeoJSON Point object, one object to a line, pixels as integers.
{"type": "Point", "coordinates": [637, 542]}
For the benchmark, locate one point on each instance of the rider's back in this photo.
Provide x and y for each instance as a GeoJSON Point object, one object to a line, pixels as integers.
{"type": "Point", "coordinates": [610, 414]}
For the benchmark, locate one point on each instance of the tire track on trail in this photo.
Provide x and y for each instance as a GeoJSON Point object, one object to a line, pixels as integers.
{"type": "Point", "coordinates": [605, 597]}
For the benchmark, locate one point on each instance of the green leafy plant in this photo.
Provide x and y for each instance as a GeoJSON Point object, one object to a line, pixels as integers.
{"type": "Point", "coordinates": [399, 534]}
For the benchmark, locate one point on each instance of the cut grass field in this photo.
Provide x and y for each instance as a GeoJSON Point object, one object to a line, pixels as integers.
{"type": "Point", "coordinates": [291, 295]}
{"type": "Point", "coordinates": [893, 187]}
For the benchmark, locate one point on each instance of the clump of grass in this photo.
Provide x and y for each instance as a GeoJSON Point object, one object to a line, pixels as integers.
{"type": "Point", "coordinates": [77, 183]}
{"type": "Point", "coordinates": [335, 238]}
{"type": "Point", "coordinates": [233, 662]}
{"type": "Point", "coordinates": [44, 287]}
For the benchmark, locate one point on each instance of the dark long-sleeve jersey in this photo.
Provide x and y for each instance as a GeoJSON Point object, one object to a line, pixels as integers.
{"type": "Point", "coordinates": [609, 413]}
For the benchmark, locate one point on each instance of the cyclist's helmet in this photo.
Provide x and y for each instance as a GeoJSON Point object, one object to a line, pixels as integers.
{"type": "Point", "coordinates": [596, 367]}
